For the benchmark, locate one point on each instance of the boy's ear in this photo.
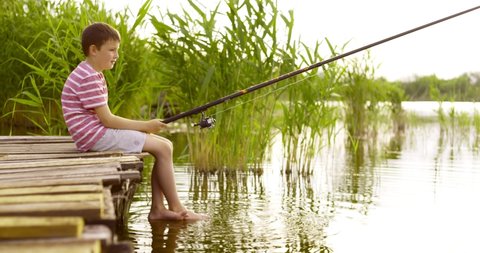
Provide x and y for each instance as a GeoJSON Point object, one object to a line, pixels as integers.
{"type": "Point", "coordinates": [92, 50]}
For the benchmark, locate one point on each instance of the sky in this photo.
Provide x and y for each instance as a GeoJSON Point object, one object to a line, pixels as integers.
{"type": "Point", "coordinates": [447, 50]}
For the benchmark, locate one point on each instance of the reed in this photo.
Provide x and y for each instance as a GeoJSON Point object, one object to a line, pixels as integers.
{"type": "Point", "coordinates": [464, 122]}
{"type": "Point", "coordinates": [307, 113]}
{"type": "Point", "coordinates": [435, 94]}
{"type": "Point", "coordinates": [192, 59]}
{"type": "Point", "coordinates": [476, 120]}
{"type": "Point", "coordinates": [476, 127]}
{"type": "Point", "coordinates": [358, 94]}
{"type": "Point", "coordinates": [370, 105]}
{"type": "Point", "coordinates": [202, 62]}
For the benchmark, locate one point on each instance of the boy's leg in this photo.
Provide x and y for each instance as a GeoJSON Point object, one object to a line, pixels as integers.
{"type": "Point", "coordinates": [163, 181]}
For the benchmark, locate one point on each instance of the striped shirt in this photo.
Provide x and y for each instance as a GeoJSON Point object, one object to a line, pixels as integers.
{"type": "Point", "coordinates": [84, 90]}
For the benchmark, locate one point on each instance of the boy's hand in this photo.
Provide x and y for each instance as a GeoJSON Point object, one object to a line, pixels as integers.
{"type": "Point", "coordinates": [154, 126]}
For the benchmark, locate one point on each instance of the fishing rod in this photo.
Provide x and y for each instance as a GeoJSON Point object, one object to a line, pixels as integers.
{"type": "Point", "coordinates": [210, 122]}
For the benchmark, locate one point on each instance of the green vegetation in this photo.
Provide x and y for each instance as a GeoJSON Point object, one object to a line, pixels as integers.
{"type": "Point", "coordinates": [42, 46]}
{"type": "Point", "coordinates": [202, 63]}
{"type": "Point", "coordinates": [463, 88]}
{"type": "Point", "coordinates": [307, 114]}
{"type": "Point", "coordinates": [192, 59]}
{"type": "Point", "coordinates": [365, 98]}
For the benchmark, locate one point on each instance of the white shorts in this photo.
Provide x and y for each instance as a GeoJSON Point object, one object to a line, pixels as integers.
{"type": "Point", "coordinates": [128, 141]}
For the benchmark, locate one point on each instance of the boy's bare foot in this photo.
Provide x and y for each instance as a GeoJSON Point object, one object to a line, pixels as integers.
{"type": "Point", "coordinates": [166, 214]}
{"type": "Point", "coordinates": [192, 216]}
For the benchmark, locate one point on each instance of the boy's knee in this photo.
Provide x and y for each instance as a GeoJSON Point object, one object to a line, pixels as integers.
{"type": "Point", "coordinates": [159, 147]}
{"type": "Point", "coordinates": [163, 148]}
{"type": "Point", "coordinates": [167, 146]}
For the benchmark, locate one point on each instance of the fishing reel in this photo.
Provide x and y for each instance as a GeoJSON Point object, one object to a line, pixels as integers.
{"type": "Point", "coordinates": [205, 122]}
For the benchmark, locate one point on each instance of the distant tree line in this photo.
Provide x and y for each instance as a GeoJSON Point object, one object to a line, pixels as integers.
{"type": "Point", "coordinates": [427, 88]}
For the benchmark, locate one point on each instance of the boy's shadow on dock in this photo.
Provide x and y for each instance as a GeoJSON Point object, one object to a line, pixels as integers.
{"type": "Point", "coordinates": [165, 235]}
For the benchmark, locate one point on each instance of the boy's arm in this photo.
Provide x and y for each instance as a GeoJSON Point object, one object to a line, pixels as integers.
{"type": "Point", "coordinates": [113, 121]}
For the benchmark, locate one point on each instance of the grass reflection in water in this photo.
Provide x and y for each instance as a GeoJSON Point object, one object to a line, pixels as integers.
{"type": "Point", "coordinates": [410, 191]}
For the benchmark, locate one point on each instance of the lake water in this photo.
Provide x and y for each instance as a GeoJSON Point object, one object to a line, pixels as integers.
{"type": "Point", "coordinates": [412, 191]}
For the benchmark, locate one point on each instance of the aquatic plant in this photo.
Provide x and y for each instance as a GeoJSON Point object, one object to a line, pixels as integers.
{"type": "Point", "coordinates": [197, 58]}
{"type": "Point", "coordinates": [308, 112]}
{"type": "Point", "coordinates": [476, 128]}
{"type": "Point", "coordinates": [202, 62]}
{"type": "Point", "coordinates": [358, 95]}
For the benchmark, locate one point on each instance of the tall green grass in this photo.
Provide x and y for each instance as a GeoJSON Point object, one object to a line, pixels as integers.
{"type": "Point", "coordinates": [307, 112]}
{"type": "Point", "coordinates": [366, 99]}
{"type": "Point", "coordinates": [46, 48]}
{"type": "Point", "coordinates": [194, 57]}
{"type": "Point", "coordinates": [203, 62]}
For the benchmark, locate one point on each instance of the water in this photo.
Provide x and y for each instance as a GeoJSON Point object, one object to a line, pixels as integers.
{"type": "Point", "coordinates": [415, 191]}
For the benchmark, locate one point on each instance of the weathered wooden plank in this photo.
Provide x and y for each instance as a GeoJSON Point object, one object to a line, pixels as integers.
{"type": "Point", "coordinates": [63, 171]}
{"type": "Point", "coordinates": [61, 168]}
{"type": "Point", "coordinates": [44, 198]}
{"type": "Point", "coordinates": [34, 139]}
{"type": "Point", "coordinates": [130, 175]}
{"type": "Point", "coordinates": [70, 161]}
{"type": "Point", "coordinates": [28, 157]}
{"type": "Point", "coordinates": [98, 232]}
{"type": "Point", "coordinates": [52, 173]}
{"type": "Point", "coordinates": [20, 147]}
{"type": "Point", "coordinates": [33, 156]}
{"type": "Point", "coordinates": [108, 208]}
{"type": "Point", "coordinates": [52, 246]}
{"type": "Point", "coordinates": [108, 218]}
{"type": "Point", "coordinates": [52, 189]}
{"type": "Point", "coordinates": [51, 182]}
{"type": "Point", "coordinates": [18, 151]}
{"type": "Point", "coordinates": [90, 232]}
{"type": "Point", "coordinates": [132, 165]}
{"type": "Point", "coordinates": [106, 179]}
{"type": "Point", "coordinates": [12, 227]}
{"type": "Point", "coordinates": [36, 148]}
{"type": "Point", "coordinates": [47, 176]}
{"type": "Point", "coordinates": [56, 231]}
{"type": "Point", "coordinates": [87, 209]}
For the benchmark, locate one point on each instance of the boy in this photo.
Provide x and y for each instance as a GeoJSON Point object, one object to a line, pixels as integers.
{"type": "Point", "coordinates": [93, 127]}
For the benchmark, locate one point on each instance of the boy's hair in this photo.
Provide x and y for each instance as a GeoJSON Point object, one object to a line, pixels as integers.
{"type": "Point", "coordinates": [97, 34]}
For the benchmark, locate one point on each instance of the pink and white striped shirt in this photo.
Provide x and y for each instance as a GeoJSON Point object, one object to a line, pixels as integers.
{"type": "Point", "coordinates": [84, 90]}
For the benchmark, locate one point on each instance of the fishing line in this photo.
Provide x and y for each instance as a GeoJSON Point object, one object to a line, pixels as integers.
{"type": "Point", "coordinates": [209, 122]}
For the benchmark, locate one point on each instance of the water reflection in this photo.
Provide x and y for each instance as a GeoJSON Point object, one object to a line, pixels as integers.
{"type": "Point", "coordinates": [165, 235]}
{"type": "Point", "coordinates": [412, 190]}
{"type": "Point", "coordinates": [249, 212]}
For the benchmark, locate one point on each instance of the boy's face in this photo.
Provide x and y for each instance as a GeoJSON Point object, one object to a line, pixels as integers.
{"type": "Point", "coordinates": [104, 58]}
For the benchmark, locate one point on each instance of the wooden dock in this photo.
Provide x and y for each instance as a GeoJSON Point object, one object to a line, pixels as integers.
{"type": "Point", "coordinates": [56, 199]}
